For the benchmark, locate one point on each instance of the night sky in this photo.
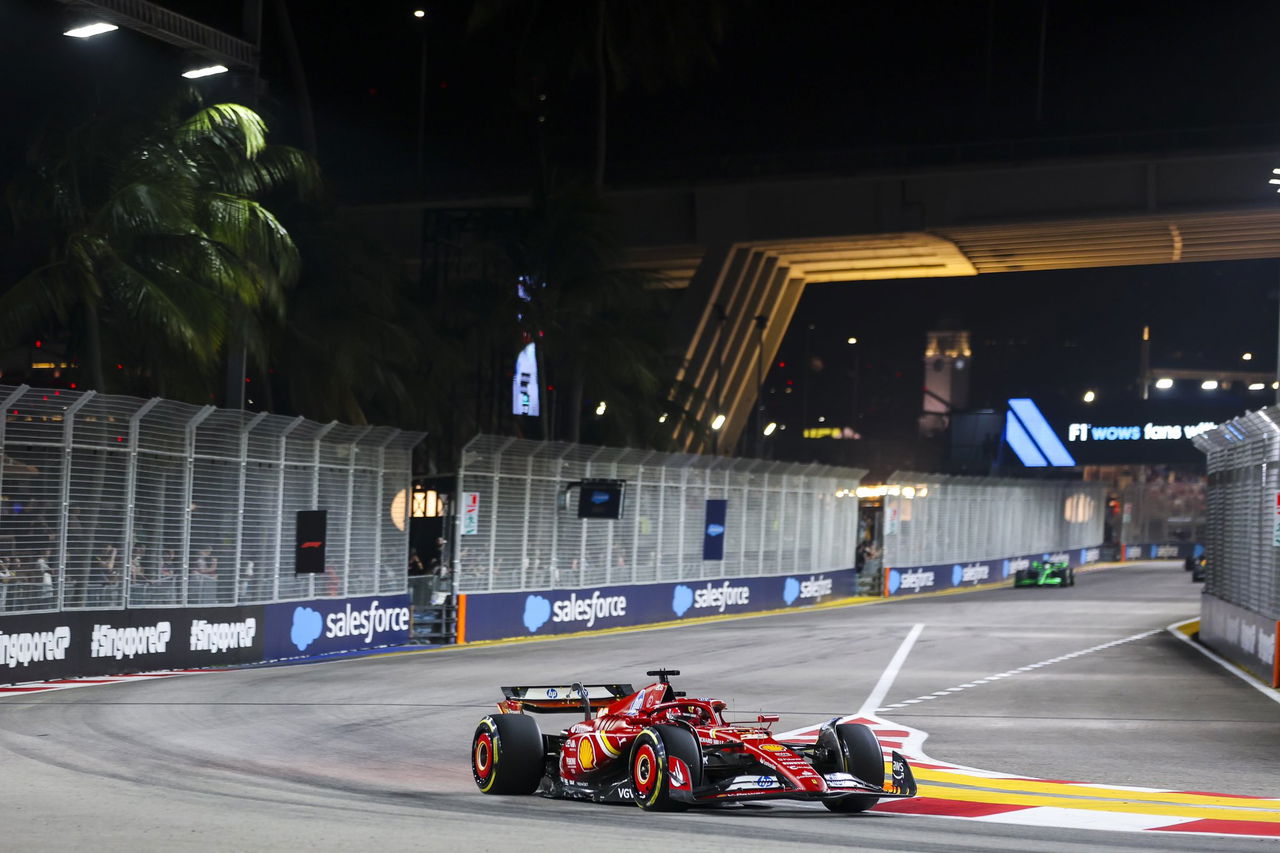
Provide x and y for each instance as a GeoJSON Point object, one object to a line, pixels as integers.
{"type": "Point", "coordinates": [841, 84]}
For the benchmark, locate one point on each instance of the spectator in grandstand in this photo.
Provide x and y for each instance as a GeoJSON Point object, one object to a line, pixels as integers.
{"type": "Point", "coordinates": [204, 577]}
{"type": "Point", "coordinates": [7, 577]}
{"type": "Point", "coordinates": [104, 578]}
{"type": "Point", "coordinates": [166, 578]}
{"type": "Point", "coordinates": [47, 577]}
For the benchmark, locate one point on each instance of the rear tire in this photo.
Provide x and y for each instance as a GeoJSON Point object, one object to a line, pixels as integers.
{"type": "Point", "coordinates": [507, 755]}
{"type": "Point", "coordinates": [862, 756]}
{"type": "Point", "coordinates": [650, 766]}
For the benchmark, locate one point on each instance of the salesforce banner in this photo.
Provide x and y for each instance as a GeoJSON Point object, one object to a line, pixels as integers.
{"type": "Point", "coordinates": [905, 581]}
{"type": "Point", "coordinates": [326, 625]}
{"type": "Point", "coordinates": [1161, 551]}
{"type": "Point", "coordinates": [499, 615]}
{"type": "Point", "coordinates": [112, 642]}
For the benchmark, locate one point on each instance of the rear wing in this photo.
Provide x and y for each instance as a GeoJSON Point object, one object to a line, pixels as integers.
{"type": "Point", "coordinates": [562, 699]}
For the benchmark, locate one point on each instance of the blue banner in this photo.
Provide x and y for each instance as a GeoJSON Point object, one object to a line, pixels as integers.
{"type": "Point", "coordinates": [1161, 551]}
{"type": "Point", "coordinates": [713, 531]}
{"type": "Point", "coordinates": [326, 625]}
{"type": "Point", "coordinates": [494, 616]}
{"type": "Point", "coordinates": [912, 579]}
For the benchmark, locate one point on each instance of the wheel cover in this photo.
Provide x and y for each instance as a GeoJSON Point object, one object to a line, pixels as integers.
{"type": "Point", "coordinates": [644, 771]}
{"type": "Point", "coordinates": [482, 756]}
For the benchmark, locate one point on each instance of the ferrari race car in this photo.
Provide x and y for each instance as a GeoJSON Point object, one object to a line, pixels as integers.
{"type": "Point", "coordinates": [1044, 573]}
{"type": "Point", "coordinates": [664, 751]}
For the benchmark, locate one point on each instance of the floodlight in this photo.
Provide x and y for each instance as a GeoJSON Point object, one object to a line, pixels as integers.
{"type": "Point", "coordinates": [207, 71]}
{"type": "Point", "coordinates": [97, 28]}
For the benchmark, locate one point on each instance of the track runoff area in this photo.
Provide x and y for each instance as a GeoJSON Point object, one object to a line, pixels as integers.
{"type": "Point", "coordinates": [1043, 719]}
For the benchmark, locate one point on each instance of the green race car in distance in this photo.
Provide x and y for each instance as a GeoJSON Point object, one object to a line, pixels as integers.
{"type": "Point", "coordinates": [1044, 573]}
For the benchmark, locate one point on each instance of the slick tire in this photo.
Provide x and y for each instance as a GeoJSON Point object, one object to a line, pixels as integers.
{"type": "Point", "coordinates": [862, 756]}
{"type": "Point", "coordinates": [507, 755]}
{"type": "Point", "coordinates": [650, 766]}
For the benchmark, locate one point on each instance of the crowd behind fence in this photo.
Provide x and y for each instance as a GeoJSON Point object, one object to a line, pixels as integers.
{"type": "Point", "coordinates": [111, 501]}
{"type": "Point", "coordinates": [1243, 531]}
{"type": "Point", "coordinates": [782, 517]}
{"type": "Point", "coordinates": [935, 519]}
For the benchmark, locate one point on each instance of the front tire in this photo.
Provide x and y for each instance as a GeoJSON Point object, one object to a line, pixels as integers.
{"type": "Point", "coordinates": [861, 755]}
{"type": "Point", "coordinates": [507, 755]}
{"type": "Point", "coordinates": [650, 766]}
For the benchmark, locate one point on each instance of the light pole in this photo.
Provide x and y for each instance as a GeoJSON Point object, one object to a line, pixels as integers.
{"type": "Point", "coordinates": [421, 15]}
{"type": "Point", "coordinates": [718, 389]}
{"type": "Point", "coordinates": [857, 372]}
{"type": "Point", "coordinates": [761, 321]}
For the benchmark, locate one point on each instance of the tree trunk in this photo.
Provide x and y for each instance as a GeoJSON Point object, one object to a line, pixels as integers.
{"type": "Point", "coordinates": [93, 346]}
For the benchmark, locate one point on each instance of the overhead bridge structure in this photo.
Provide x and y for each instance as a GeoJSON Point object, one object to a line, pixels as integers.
{"type": "Point", "coordinates": [755, 246]}
{"type": "Point", "coordinates": [745, 250]}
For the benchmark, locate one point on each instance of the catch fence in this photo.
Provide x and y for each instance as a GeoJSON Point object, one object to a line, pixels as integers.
{"type": "Point", "coordinates": [523, 533]}
{"type": "Point", "coordinates": [1242, 544]}
{"type": "Point", "coordinates": [932, 519]}
{"type": "Point", "coordinates": [111, 502]}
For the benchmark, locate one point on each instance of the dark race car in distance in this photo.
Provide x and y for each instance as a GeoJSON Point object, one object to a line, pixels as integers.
{"type": "Point", "coordinates": [1046, 573]}
{"type": "Point", "coordinates": [664, 751]}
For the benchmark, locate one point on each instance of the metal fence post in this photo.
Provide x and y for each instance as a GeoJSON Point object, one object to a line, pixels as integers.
{"type": "Point", "coordinates": [243, 485]}
{"type": "Point", "coordinates": [684, 506]}
{"type": "Point", "coordinates": [377, 528]}
{"type": "Point", "coordinates": [635, 523]}
{"type": "Point", "coordinates": [351, 501]}
{"type": "Point", "coordinates": [188, 492]}
{"type": "Point", "coordinates": [130, 494]}
{"type": "Point", "coordinates": [68, 426]}
{"type": "Point", "coordinates": [525, 510]}
{"type": "Point", "coordinates": [315, 485]}
{"type": "Point", "coordinates": [284, 455]}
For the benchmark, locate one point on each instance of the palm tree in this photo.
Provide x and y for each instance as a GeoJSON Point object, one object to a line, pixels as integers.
{"type": "Point", "coordinates": [154, 229]}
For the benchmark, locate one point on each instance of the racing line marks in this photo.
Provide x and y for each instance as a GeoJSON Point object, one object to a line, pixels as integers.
{"type": "Point", "coordinates": [1011, 672]}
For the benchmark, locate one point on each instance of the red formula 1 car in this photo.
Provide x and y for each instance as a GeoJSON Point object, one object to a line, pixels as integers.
{"type": "Point", "coordinates": [664, 751]}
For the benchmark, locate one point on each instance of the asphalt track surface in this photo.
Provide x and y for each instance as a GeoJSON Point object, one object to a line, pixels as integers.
{"type": "Point", "coordinates": [372, 754]}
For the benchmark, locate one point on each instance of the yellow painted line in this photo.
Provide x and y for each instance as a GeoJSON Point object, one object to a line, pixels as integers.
{"type": "Point", "coordinates": [1085, 790]}
{"type": "Point", "coordinates": [1188, 628]}
{"type": "Point", "coordinates": [1128, 804]}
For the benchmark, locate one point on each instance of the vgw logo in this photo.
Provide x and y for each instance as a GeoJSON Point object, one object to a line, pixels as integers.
{"type": "Point", "coordinates": [538, 610]}
{"type": "Point", "coordinates": [709, 597]}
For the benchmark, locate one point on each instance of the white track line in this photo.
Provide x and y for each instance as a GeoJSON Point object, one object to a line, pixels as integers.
{"type": "Point", "coordinates": [1270, 693]}
{"type": "Point", "coordinates": [1000, 675]}
{"type": "Point", "coordinates": [891, 671]}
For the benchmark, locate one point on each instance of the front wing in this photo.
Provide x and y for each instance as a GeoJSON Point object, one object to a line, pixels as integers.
{"type": "Point", "coordinates": [771, 787]}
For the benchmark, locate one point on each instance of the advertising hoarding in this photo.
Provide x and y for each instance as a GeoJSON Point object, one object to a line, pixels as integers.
{"type": "Point", "coordinates": [498, 615]}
